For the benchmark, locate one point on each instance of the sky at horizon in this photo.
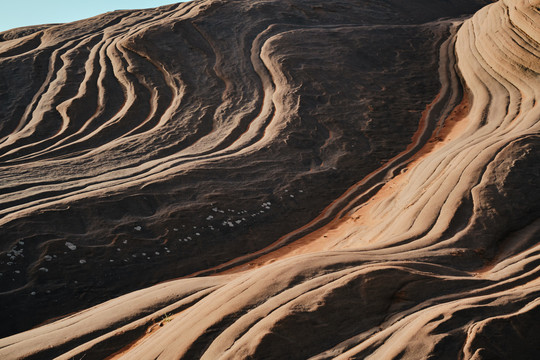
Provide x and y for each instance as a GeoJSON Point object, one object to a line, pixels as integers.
{"type": "Point", "coordinates": [19, 13]}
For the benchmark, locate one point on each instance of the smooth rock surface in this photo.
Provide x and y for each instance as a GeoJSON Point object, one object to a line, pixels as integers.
{"type": "Point", "coordinates": [342, 179]}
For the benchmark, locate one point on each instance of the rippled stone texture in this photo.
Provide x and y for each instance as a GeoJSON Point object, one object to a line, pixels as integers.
{"type": "Point", "coordinates": [346, 179]}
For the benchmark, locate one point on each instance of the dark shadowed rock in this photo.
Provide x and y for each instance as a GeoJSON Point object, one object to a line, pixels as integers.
{"type": "Point", "coordinates": [347, 178]}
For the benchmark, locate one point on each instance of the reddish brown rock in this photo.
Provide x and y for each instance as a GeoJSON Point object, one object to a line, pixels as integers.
{"type": "Point", "coordinates": [341, 179]}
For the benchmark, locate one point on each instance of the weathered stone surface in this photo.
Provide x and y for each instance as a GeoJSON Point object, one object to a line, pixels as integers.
{"type": "Point", "coordinates": [346, 179]}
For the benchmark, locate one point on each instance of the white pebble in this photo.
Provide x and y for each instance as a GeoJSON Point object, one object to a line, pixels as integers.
{"type": "Point", "coordinates": [82, 261]}
{"type": "Point", "coordinates": [71, 246]}
{"type": "Point", "coordinates": [138, 228]}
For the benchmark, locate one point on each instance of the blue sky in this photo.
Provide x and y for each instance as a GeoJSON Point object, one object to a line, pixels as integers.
{"type": "Point", "coordinates": [17, 13]}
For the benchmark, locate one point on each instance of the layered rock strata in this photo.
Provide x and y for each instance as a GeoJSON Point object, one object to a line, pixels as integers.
{"type": "Point", "coordinates": [336, 180]}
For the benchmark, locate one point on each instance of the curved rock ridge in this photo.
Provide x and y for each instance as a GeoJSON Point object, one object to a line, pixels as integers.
{"type": "Point", "coordinates": [350, 179]}
{"type": "Point", "coordinates": [169, 141]}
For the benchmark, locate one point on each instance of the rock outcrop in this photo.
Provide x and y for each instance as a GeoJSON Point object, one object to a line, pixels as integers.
{"type": "Point", "coordinates": [273, 180]}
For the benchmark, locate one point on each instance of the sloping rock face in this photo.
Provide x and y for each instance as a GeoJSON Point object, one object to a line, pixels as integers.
{"type": "Point", "coordinates": [343, 179]}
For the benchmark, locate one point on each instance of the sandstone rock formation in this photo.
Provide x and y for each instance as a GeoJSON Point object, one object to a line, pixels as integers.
{"type": "Point", "coordinates": [268, 179]}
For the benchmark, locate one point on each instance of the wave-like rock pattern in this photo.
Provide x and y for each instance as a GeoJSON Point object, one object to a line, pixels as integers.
{"type": "Point", "coordinates": [337, 180]}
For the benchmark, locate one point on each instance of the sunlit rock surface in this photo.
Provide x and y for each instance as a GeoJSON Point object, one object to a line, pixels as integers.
{"type": "Point", "coordinates": [341, 179]}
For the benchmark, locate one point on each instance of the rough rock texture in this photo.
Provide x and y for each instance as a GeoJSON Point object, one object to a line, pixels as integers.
{"type": "Point", "coordinates": [350, 179]}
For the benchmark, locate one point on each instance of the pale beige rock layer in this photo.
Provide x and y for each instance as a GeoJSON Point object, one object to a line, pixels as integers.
{"type": "Point", "coordinates": [433, 253]}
